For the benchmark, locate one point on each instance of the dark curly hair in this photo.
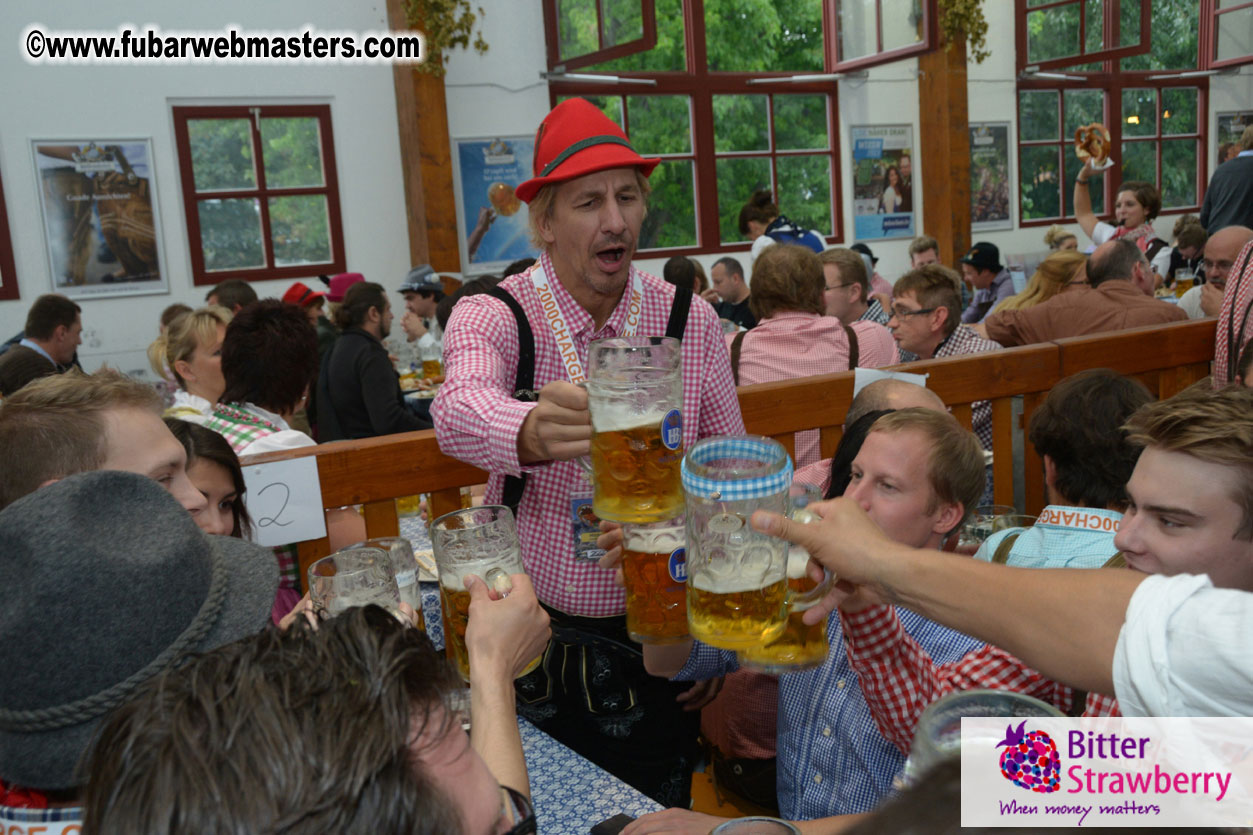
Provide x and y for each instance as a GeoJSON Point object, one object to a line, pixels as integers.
{"type": "Point", "coordinates": [1079, 426]}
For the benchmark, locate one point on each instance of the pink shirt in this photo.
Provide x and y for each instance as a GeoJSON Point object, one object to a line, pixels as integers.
{"type": "Point", "coordinates": [793, 344]}
{"type": "Point", "coordinates": [477, 420]}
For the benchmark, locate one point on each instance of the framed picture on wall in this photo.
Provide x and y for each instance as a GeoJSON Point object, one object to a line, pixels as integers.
{"type": "Point", "coordinates": [491, 220]}
{"type": "Point", "coordinates": [990, 176]}
{"type": "Point", "coordinates": [883, 182]}
{"type": "Point", "coordinates": [1227, 137]}
{"type": "Point", "coordinates": [8, 274]}
{"type": "Point", "coordinates": [99, 204]}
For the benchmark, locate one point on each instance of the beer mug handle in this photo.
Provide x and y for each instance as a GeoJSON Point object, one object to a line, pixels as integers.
{"type": "Point", "coordinates": [498, 580]}
{"type": "Point", "coordinates": [800, 601]}
{"type": "Point", "coordinates": [585, 461]}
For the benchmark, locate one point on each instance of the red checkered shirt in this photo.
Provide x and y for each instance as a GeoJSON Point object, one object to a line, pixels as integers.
{"type": "Point", "coordinates": [965, 340]}
{"type": "Point", "coordinates": [477, 419]}
{"type": "Point", "coordinates": [899, 679]}
{"type": "Point", "coordinates": [1235, 315]}
{"type": "Point", "coordinates": [795, 344]}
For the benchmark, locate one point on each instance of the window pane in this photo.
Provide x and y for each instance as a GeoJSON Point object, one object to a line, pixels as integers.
{"type": "Point", "coordinates": [800, 123]}
{"type": "Point", "coordinates": [740, 124]}
{"type": "Point", "coordinates": [1234, 34]}
{"type": "Point", "coordinates": [902, 23]}
{"type": "Point", "coordinates": [1139, 112]}
{"type": "Point", "coordinates": [764, 36]}
{"type": "Point", "coordinates": [1037, 172]}
{"type": "Point", "coordinates": [1179, 106]}
{"type": "Point", "coordinates": [230, 234]}
{"type": "Point", "coordinates": [1179, 172]}
{"type": "Point", "coordinates": [1052, 33]}
{"type": "Point", "coordinates": [576, 27]}
{"type": "Point", "coordinates": [624, 21]}
{"type": "Point", "coordinates": [1037, 114]}
{"type": "Point", "coordinates": [858, 32]}
{"type": "Point", "coordinates": [660, 124]}
{"type": "Point", "coordinates": [1139, 161]}
{"type": "Point", "coordinates": [292, 152]}
{"type": "Point", "coordinates": [1094, 33]}
{"type": "Point", "coordinates": [807, 183]}
{"type": "Point", "coordinates": [1083, 107]}
{"type": "Point", "coordinates": [1129, 22]}
{"type": "Point", "coordinates": [738, 178]}
{"type": "Point", "coordinates": [611, 106]}
{"type": "Point", "coordinates": [300, 230]}
{"type": "Point", "coordinates": [221, 154]}
{"type": "Point", "coordinates": [1176, 24]}
{"type": "Point", "coordinates": [671, 218]}
{"type": "Point", "coordinates": [670, 53]}
{"type": "Point", "coordinates": [1096, 189]}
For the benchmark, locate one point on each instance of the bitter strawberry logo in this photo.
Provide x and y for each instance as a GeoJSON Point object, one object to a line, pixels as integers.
{"type": "Point", "coordinates": [1030, 760]}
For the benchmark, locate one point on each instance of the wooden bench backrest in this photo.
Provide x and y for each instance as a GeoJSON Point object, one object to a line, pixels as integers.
{"type": "Point", "coordinates": [376, 471]}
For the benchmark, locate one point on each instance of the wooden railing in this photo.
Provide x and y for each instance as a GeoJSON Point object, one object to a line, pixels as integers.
{"type": "Point", "coordinates": [375, 472]}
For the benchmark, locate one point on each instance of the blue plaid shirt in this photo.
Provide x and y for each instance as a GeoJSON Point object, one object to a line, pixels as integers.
{"type": "Point", "coordinates": [45, 821]}
{"type": "Point", "coordinates": [832, 760]}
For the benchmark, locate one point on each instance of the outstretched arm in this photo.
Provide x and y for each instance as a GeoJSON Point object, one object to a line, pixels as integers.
{"type": "Point", "coordinates": [1084, 609]}
{"type": "Point", "coordinates": [1083, 200]}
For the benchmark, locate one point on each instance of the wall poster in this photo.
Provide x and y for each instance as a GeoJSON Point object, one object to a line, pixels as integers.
{"type": "Point", "coordinates": [883, 184]}
{"type": "Point", "coordinates": [990, 185]}
{"type": "Point", "coordinates": [100, 216]}
{"type": "Point", "coordinates": [491, 219]}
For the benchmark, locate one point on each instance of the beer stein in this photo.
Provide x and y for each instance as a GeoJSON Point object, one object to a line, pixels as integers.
{"type": "Point", "coordinates": [354, 577]}
{"type": "Point", "coordinates": [654, 570]}
{"type": "Point", "coordinates": [482, 541]}
{"type": "Point", "coordinates": [405, 566]}
{"type": "Point", "coordinates": [635, 396]}
{"type": "Point", "coordinates": [756, 826]}
{"type": "Point", "coordinates": [938, 736]}
{"type": "Point", "coordinates": [737, 589]}
{"type": "Point", "coordinates": [802, 646]}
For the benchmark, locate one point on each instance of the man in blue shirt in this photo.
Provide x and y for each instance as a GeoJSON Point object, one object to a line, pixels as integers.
{"type": "Point", "coordinates": [982, 269]}
{"type": "Point", "coordinates": [916, 475]}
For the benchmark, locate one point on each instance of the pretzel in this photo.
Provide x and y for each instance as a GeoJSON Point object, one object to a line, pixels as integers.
{"type": "Point", "coordinates": [1092, 141]}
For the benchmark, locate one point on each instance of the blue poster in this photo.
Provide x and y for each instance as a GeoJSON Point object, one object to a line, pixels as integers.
{"type": "Point", "coordinates": [493, 220]}
{"type": "Point", "coordinates": [883, 182]}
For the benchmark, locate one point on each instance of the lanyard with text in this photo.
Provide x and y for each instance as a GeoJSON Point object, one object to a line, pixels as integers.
{"type": "Point", "coordinates": [555, 318]}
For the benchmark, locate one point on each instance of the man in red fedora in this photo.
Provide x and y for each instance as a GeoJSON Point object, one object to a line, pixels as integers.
{"type": "Point", "coordinates": [512, 404]}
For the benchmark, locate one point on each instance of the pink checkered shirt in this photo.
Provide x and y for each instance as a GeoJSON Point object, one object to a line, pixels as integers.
{"type": "Point", "coordinates": [1236, 314]}
{"type": "Point", "coordinates": [477, 419]}
{"type": "Point", "coordinates": [793, 344]}
{"type": "Point", "coordinates": [899, 679]}
{"type": "Point", "coordinates": [965, 340]}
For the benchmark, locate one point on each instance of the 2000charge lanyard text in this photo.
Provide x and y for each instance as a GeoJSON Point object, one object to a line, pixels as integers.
{"type": "Point", "coordinates": [555, 319]}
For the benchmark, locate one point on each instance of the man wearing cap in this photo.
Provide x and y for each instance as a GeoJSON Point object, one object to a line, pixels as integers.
{"type": "Point", "coordinates": [587, 203]}
{"type": "Point", "coordinates": [982, 269]}
{"type": "Point", "coordinates": [423, 291]}
{"type": "Point", "coordinates": [130, 613]}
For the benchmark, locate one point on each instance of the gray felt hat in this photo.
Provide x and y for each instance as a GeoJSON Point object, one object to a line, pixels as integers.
{"type": "Point", "coordinates": [422, 278]}
{"type": "Point", "coordinates": [106, 581]}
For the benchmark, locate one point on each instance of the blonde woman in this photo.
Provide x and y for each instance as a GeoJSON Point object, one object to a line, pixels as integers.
{"type": "Point", "coordinates": [191, 348]}
{"type": "Point", "coordinates": [1059, 237]}
{"type": "Point", "coordinates": [1055, 273]}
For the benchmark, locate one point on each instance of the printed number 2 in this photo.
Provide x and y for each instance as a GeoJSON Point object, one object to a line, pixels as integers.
{"type": "Point", "coordinates": [266, 521]}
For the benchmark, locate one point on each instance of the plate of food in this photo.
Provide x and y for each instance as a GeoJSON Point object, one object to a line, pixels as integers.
{"type": "Point", "coordinates": [426, 565]}
{"type": "Point", "coordinates": [1093, 144]}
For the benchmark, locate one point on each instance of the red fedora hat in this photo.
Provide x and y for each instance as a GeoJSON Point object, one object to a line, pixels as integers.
{"type": "Point", "coordinates": [574, 139]}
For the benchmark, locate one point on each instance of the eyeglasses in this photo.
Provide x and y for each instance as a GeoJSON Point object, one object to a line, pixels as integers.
{"type": "Point", "coordinates": [520, 810]}
{"type": "Point", "coordinates": [1225, 266]}
{"type": "Point", "coordinates": [900, 313]}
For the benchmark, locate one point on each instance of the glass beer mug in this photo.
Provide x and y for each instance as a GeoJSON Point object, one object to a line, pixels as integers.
{"type": "Point", "coordinates": [737, 583]}
{"type": "Point", "coordinates": [635, 396]}
{"type": "Point", "coordinates": [482, 541]}
{"type": "Point", "coordinates": [406, 568]}
{"type": "Point", "coordinates": [654, 570]}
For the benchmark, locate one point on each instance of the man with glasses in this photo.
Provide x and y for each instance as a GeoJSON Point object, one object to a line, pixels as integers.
{"type": "Point", "coordinates": [349, 727]}
{"type": "Point", "coordinates": [926, 320]}
{"type": "Point", "coordinates": [1220, 254]}
{"type": "Point", "coordinates": [847, 293]}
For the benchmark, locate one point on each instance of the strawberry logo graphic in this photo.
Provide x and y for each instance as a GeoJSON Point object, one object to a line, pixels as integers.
{"type": "Point", "coordinates": [1030, 760]}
